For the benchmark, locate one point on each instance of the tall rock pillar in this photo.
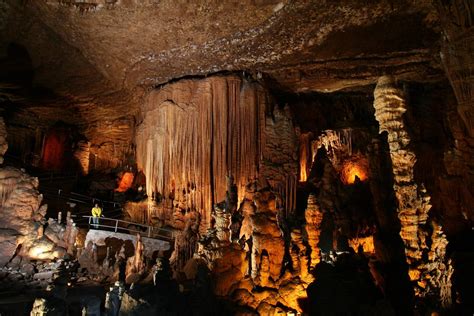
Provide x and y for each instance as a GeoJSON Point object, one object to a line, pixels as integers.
{"type": "Point", "coordinates": [422, 238]}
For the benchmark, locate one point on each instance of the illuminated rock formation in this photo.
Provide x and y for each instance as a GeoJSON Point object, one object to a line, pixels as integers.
{"type": "Point", "coordinates": [413, 201]}
{"type": "Point", "coordinates": [313, 217]}
{"type": "Point", "coordinates": [22, 216]}
{"type": "Point", "coordinates": [305, 155]}
{"type": "Point", "coordinates": [208, 129]}
{"type": "Point", "coordinates": [136, 264]}
{"type": "Point", "coordinates": [267, 242]}
{"type": "Point", "coordinates": [279, 162]}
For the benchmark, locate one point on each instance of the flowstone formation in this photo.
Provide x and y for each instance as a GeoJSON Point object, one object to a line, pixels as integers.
{"type": "Point", "coordinates": [425, 242]}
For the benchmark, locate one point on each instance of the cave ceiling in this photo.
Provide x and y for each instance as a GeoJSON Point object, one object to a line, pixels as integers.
{"type": "Point", "coordinates": [112, 51]}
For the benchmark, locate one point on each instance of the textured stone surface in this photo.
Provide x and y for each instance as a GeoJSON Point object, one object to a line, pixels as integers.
{"type": "Point", "coordinates": [3, 139]}
{"type": "Point", "coordinates": [314, 217]}
{"type": "Point", "coordinates": [201, 38]}
{"type": "Point", "coordinates": [99, 236]}
{"type": "Point", "coordinates": [222, 125]}
{"type": "Point", "coordinates": [22, 217]}
{"type": "Point", "coordinates": [413, 201]}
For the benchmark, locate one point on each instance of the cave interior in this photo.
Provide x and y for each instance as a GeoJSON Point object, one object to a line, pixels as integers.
{"type": "Point", "coordinates": [254, 157]}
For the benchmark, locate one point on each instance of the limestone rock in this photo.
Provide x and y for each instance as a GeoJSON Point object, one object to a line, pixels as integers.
{"type": "Point", "coordinates": [314, 217]}
{"type": "Point", "coordinates": [3, 139]}
{"type": "Point", "coordinates": [413, 201]}
{"type": "Point", "coordinates": [192, 112]}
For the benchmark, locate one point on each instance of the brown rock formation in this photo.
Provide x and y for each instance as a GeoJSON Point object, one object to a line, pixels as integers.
{"type": "Point", "coordinates": [221, 121]}
{"type": "Point", "coordinates": [201, 38]}
{"type": "Point", "coordinates": [267, 243]}
{"type": "Point", "coordinates": [22, 221]}
{"type": "Point", "coordinates": [413, 202]}
{"type": "Point", "coordinates": [3, 139]}
{"type": "Point", "coordinates": [220, 140]}
{"type": "Point", "coordinates": [314, 217]}
{"type": "Point", "coordinates": [279, 161]}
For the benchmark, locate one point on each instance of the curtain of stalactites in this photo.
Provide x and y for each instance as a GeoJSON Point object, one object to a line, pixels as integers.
{"type": "Point", "coordinates": [194, 135]}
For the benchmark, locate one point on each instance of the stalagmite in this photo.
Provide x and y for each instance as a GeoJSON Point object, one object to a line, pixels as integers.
{"type": "Point", "coordinates": [222, 223]}
{"type": "Point", "coordinates": [314, 217]}
{"type": "Point", "coordinates": [413, 201]}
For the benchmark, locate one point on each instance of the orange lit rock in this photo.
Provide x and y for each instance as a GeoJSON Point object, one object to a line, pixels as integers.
{"type": "Point", "coordinates": [314, 217]}
{"type": "Point", "coordinates": [367, 244]}
{"type": "Point", "coordinates": [126, 182]}
{"type": "Point", "coordinates": [354, 169]}
{"type": "Point", "coordinates": [268, 245]}
{"type": "Point", "coordinates": [305, 156]}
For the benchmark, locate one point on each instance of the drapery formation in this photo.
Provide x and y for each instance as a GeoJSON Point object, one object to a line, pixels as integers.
{"type": "Point", "coordinates": [194, 134]}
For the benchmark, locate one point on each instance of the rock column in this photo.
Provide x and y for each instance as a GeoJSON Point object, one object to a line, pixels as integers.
{"type": "Point", "coordinates": [314, 217]}
{"type": "Point", "coordinates": [418, 234]}
{"type": "Point", "coordinates": [222, 218]}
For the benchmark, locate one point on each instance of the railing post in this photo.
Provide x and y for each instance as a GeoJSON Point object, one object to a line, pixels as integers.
{"type": "Point", "coordinates": [116, 225]}
{"type": "Point", "coordinates": [149, 231]}
{"type": "Point", "coordinates": [89, 220]}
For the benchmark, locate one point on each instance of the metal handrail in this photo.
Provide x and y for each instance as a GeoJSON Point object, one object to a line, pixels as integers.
{"type": "Point", "coordinates": [149, 229]}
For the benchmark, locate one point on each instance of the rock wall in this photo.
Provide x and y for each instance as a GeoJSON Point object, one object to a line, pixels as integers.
{"type": "Point", "coordinates": [421, 235]}
{"type": "Point", "coordinates": [110, 141]}
{"type": "Point", "coordinates": [458, 61]}
{"type": "Point", "coordinates": [279, 159]}
{"type": "Point", "coordinates": [3, 139]}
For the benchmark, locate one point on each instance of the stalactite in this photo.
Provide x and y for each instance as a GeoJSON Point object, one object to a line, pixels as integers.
{"type": "Point", "coordinates": [305, 155]}
{"type": "Point", "coordinates": [194, 133]}
{"type": "Point", "coordinates": [413, 201]}
{"type": "Point", "coordinates": [338, 144]}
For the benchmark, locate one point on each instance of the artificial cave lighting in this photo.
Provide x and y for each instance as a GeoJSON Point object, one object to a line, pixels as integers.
{"type": "Point", "coordinates": [353, 170]}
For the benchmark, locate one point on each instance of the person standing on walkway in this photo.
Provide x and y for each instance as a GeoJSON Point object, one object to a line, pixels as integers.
{"type": "Point", "coordinates": [96, 213]}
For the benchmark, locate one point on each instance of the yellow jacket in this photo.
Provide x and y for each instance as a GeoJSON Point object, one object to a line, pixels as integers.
{"type": "Point", "coordinates": [96, 211]}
